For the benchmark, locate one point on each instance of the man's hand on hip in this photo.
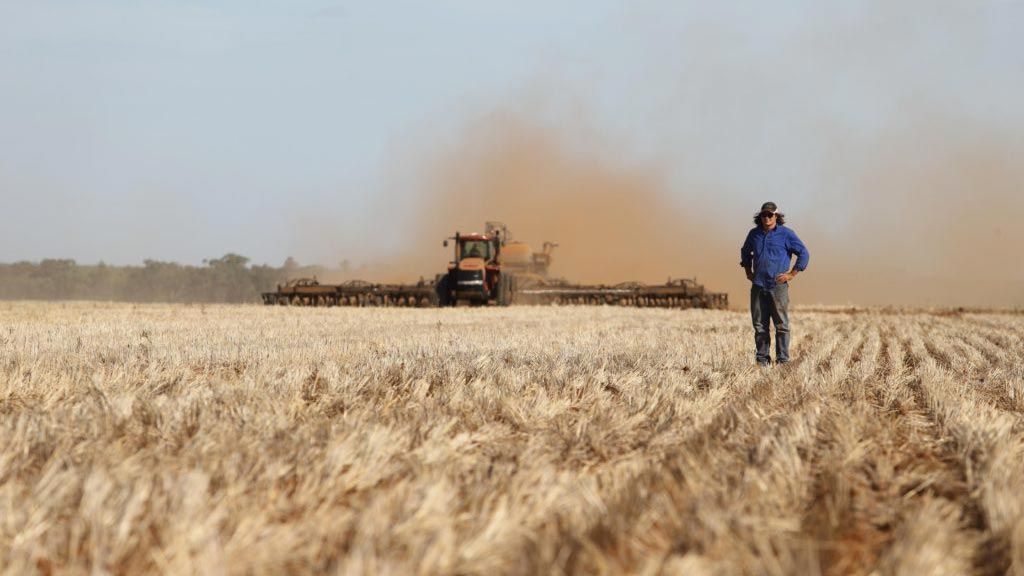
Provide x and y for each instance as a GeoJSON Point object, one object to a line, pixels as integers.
{"type": "Point", "coordinates": [785, 277]}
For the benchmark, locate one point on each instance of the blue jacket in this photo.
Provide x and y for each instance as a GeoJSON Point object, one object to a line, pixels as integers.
{"type": "Point", "coordinates": [770, 254]}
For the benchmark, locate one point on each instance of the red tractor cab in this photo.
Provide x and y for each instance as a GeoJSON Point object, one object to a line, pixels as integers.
{"type": "Point", "coordinates": [474, 274]}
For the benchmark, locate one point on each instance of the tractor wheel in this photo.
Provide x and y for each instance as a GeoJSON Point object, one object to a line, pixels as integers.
{"type": "Point", "coordinates": [444, 293]}
{"type": "Point", "coordinates": [505, 289]}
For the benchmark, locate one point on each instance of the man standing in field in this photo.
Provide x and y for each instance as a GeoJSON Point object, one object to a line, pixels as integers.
{"type": "Point", "coordinates": [767, 257]}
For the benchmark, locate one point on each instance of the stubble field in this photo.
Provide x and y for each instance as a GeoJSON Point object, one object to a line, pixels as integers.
{"type": "Point", "coordinates": [252, 440]}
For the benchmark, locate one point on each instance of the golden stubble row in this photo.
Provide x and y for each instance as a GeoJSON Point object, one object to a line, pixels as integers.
{"type": "Point", "coordinates": [245, 439]}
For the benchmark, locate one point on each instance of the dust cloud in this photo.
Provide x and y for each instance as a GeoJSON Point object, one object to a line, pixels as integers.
{"type": "Point", "coordinates": [930, 221]}
{"type": "Point", "coordinates": [612, 222]}
{"type": "Point", "coordinates": [890, 135]}
{"type": "Point", "coordinates": [933, 222]}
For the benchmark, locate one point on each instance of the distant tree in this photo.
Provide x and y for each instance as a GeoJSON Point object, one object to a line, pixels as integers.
{"type": "Point", "coordinates": [266, 278]}
{"type": "Point", "coordinates": [230, 260]}
{"type": "Point", "coordinates": [57, 278]}
{"type": "Point", "coordinates": [101, 282]}
{"type": "Point", "coordinates": [229, 278]}
{"type": "Point", "coordinates": [159, 281]}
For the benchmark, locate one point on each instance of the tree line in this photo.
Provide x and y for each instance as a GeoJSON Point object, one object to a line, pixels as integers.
{"type": "Point", "coordinates": [229, 278]}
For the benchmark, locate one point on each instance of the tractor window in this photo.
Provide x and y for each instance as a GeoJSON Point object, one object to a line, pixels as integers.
{"type": "Point", "coordinates": [476, 249]}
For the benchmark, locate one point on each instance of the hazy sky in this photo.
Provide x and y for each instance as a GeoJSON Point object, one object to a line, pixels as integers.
{"type": "Point", "coordinates": [182, 130]}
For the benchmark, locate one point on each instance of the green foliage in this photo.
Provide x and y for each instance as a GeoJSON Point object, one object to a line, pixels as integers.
{"type": "Point", "coordinates": [229, 278]}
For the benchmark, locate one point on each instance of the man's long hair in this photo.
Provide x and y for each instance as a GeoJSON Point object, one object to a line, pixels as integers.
{"type": "Point", "coordinates": [780, 218]}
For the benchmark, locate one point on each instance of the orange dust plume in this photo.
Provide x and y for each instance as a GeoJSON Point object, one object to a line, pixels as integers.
{"type": "Point", "coordinates": [613, 222]}
{"type": "Point", "coordinates": [923, 215]}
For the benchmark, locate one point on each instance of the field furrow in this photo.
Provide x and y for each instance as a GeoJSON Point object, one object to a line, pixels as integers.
{"type": "Point", "coordinates": [250, 440]}
{"type": "Point", "coordinates": [991, 448]}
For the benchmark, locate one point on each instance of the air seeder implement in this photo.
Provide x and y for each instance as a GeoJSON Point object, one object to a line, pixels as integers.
{"type": "Point", "coordinates": [490, 268]}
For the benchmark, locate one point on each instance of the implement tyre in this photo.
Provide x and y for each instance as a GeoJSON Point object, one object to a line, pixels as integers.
{"type": "Point", "coordinates": [506, 289]}
{"type": "Point", "coordinates": [444, 293]}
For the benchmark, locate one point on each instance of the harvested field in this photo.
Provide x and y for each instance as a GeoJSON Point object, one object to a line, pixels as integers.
{"type": "Point", "coordinates": [265, 440]}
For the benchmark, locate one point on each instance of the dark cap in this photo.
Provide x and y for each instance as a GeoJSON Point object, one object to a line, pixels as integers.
{"type": "Point", "coordinates": [769, 206]}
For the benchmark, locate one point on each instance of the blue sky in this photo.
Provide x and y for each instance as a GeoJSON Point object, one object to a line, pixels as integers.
{"type": "Point", "coordinates": [183, 130]}
{"type": "Point", "coordinates": [180, 130]}
{"type": "Point", "coordinates": [153, 118]}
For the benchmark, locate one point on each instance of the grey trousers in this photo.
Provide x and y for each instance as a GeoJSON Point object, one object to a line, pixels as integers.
{"type": "Point", "coordinates": [770, 306]}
